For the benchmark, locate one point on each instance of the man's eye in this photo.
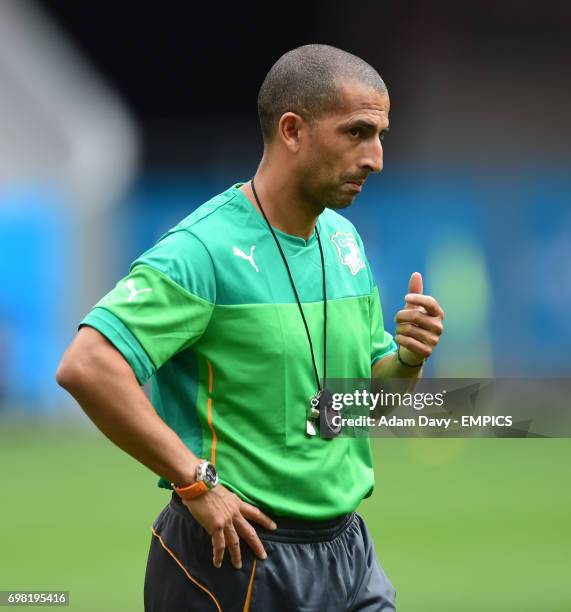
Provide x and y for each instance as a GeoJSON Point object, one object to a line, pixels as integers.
{"type": "Point", "coordinates": [355, 132]}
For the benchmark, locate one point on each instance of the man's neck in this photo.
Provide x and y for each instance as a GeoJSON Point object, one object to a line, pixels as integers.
{"type": "Point", "coordinates": [285, 207]}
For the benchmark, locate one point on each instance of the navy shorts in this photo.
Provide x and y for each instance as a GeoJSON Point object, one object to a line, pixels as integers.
{"type": "Point", "coordinates": [312, 566]}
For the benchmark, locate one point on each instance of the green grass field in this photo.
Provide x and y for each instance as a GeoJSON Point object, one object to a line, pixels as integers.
{"type": "Point", "coordinates": [459, 525]}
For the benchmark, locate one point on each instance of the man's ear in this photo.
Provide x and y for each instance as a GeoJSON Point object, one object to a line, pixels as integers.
{"type": "Point", "coordinates": [291, 128]}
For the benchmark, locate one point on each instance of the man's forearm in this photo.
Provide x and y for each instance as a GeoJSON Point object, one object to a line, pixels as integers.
{"type": "Point", "coordinates": [391, 367]}
{"type": "Point", "coordinates": [104, 385]}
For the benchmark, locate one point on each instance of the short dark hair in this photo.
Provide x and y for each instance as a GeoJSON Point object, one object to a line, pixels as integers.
{"type": "Point", "coordinates": [305, 81]}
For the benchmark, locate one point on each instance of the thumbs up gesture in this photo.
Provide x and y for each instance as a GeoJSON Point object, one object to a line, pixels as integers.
{"type": "Point", "coordinates": [419, 324]}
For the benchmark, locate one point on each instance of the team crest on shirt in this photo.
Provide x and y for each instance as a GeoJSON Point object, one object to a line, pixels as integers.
{"type": "Point", "coordinates": [348, 251]}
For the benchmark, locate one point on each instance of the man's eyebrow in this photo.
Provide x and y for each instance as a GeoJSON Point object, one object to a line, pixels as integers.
{"type": "Point", "coordinates": [363, 123]}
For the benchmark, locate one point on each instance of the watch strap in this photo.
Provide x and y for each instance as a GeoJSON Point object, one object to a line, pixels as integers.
{"type": "Point", "coordinates": [191, 491]}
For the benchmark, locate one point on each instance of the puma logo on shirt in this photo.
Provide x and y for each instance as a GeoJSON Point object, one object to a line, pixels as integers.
{"type": "Point", "coordinates": [239, 253]}
{"type": "Point", "coordinates": [130, 284]}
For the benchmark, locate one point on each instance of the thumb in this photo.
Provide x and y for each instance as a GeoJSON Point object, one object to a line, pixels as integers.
{"type": "Point", "coordinates": [415, 283]}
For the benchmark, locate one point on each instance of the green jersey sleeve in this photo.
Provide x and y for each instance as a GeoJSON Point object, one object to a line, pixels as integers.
{"type": "Point", "coordinates": [382, 342]}
{"type": "Point", "coordinates": [162, 306]}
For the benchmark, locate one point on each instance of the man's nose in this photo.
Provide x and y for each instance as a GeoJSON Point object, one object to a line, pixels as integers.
{"type": "Point", "coordinates": [374, 159]}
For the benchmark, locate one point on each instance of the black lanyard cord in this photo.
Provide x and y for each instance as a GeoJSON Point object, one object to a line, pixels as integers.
{"type": "Point", "coordinates": [297, 296]}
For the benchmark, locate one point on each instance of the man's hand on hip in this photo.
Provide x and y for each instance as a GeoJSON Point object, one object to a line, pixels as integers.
{"type": "Point", "coordinates": [223, 514]}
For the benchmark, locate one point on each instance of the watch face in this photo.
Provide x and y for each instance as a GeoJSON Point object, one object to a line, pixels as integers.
{"type": "Point", "coordinates": [209, 474]}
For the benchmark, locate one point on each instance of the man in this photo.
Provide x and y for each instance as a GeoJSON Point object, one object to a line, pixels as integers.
{"type": "Point", "coordinates": [238, 314]}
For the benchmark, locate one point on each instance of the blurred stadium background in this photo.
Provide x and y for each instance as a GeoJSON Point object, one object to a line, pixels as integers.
{"type": "Point", "coordinates": [116, 122]}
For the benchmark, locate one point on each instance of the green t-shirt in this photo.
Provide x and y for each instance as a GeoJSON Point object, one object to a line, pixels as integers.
{"type": "Point", "coordinates": [209, 314]}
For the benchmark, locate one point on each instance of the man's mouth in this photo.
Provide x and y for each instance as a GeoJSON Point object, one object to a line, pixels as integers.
{"type": "Point", "coordinates": [356, 185]}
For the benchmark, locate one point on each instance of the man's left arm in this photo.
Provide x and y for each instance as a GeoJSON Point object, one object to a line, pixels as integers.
{"type": "Point", "coordinates": [418, 331]}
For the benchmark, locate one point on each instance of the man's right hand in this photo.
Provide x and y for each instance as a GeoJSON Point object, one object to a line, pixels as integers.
{"type": "Point", "coordinates": [105, 386]}
{"type": "Point", "coordinates": [223, 514]}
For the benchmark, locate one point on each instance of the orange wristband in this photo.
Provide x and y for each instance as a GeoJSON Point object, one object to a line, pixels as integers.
{"type": "Point", "coordinates": [191, 491]}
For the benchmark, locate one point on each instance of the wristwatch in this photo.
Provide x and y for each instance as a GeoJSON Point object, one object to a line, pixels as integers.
{"type": "Point", "coordinates": [206, 479]}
